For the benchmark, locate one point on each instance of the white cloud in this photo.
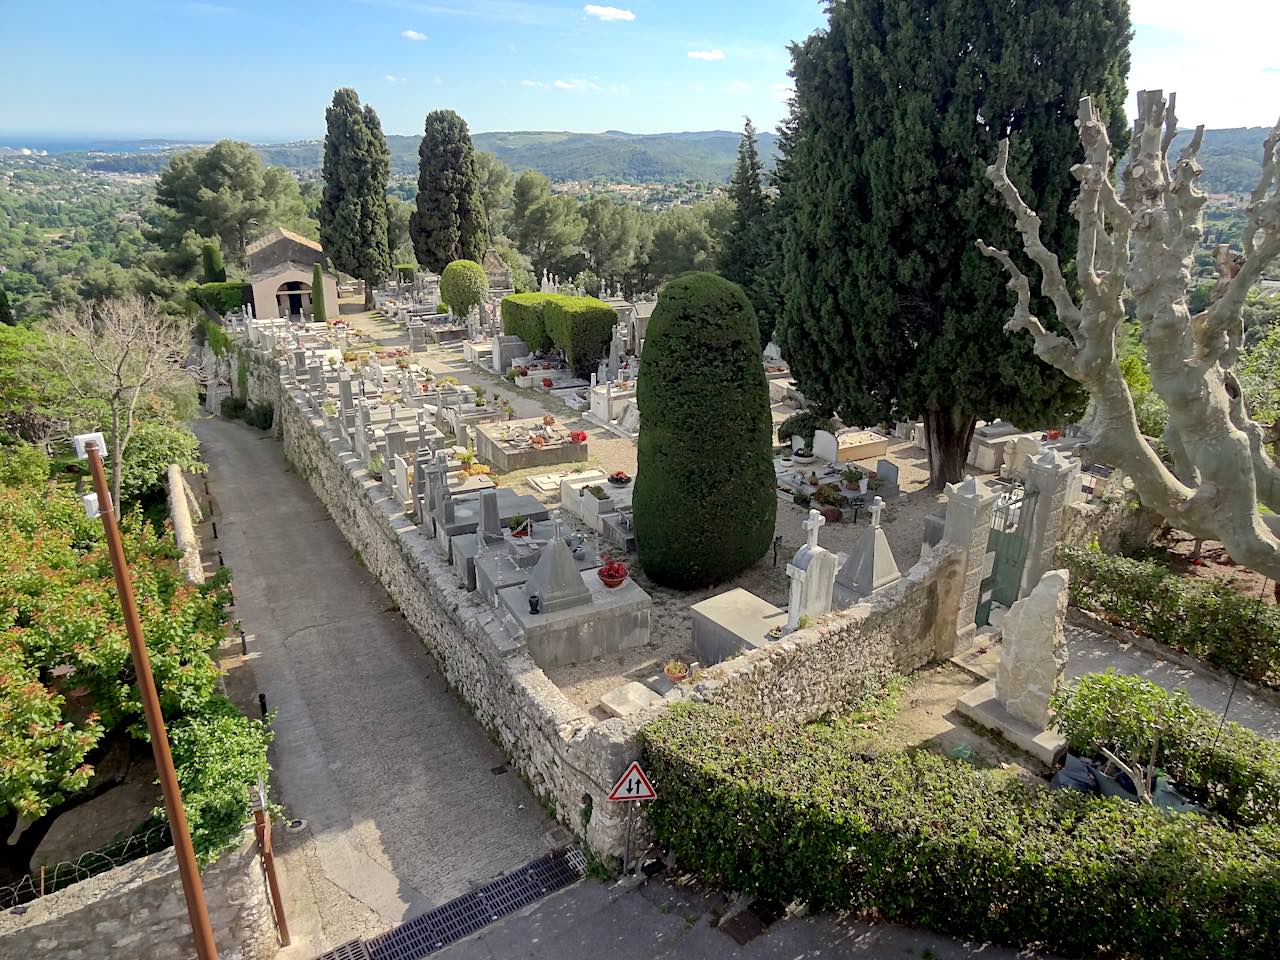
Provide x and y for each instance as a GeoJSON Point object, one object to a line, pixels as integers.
{"type": "Point", "coordinates": [738, 86]}
{"type": "Point", "coordinates": [607, 13]}
{"type": "Point", "coordinates": [392, 78]}
{"type": "Point", "coordinates": [576, 85]}
{"type": "Point", "coordinates": [413, 35]}
{"type": "Point", "coordinates": [621, 89]}
{"type": "Point", "coordinates": [706, 54]}
{"type": "Point", "coordinates": [783, 91]}
{"type": "Point", "coordinates": [538, 84]}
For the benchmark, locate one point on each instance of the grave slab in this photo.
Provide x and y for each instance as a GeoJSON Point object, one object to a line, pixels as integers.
{"type": "Point", "coordinates": [629, 698]}
{"type": "Point", "coordinates": [732, 623]}
{"type": "Point", "coordinates": [982, 705]}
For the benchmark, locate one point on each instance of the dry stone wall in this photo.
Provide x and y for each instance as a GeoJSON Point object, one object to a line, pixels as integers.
{"type": "Point", "coordinates": [138, 911]}
{"type": "Point", "coordinates": [570, 759]}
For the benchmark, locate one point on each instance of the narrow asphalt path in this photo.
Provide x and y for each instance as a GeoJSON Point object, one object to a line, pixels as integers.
{"type": "Point", "coordinates": [409, 803]}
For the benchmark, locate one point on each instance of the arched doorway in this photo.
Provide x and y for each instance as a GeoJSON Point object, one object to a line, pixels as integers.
{"type": "Point", "coordinates": [294, 299]}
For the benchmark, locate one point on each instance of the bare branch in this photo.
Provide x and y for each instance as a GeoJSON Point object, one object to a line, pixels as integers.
{"type": "Point", "coordinates": [1057, 350]}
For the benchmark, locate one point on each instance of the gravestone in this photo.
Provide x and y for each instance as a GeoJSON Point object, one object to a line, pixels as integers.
{"type": "Point", "coordinates": [870, 566]}
{"type": "Point", "coordinates": [887, 474]}
{"type": "Point", "coordinates": [490, 529]}
{"type": "Point", "coordinates": [299, 364]}
{"type": "Point", "coordinates": [812, 572]}
{"type": "Point", "coordinates": [556, 581]}
{"type": "Point", "coordinates": [1033, 653]}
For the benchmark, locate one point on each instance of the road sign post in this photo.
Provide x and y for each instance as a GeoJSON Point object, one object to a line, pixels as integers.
{"type": "Point", "coordinates": [632, 787]}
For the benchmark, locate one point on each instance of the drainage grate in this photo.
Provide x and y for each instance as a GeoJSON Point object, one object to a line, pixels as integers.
{"type": "Point", "coordinates": [351, 950]}
{"type": "Point", "coordinates": [477, 909]}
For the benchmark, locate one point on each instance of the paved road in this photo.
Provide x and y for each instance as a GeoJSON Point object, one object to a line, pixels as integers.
{"type": "Point", "coordinates": [391, 772]}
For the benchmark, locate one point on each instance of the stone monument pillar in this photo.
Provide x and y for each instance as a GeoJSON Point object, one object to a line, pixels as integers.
{"type": "Point", "coordinates": [813, 575]}
{"type": "Point", "coordinates": [1051, 476]}
{"type": "Point", "coordinates": [970, 505]}
{"type": "Point", "coordinates": [1033, 653]}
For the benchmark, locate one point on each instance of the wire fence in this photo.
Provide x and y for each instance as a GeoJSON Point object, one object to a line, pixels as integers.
{"type": "Point", "coordinates": [53, 877]}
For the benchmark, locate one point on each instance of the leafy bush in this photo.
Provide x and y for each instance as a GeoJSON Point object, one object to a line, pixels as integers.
{"type": "Point", "coordinates": [463, 284]}
{"type": "Point", "coordinates": [23, 464]}
{"type": "Point", "coordinates": [219, 755]}
{"type": "Point", "coordinates": [233, 408]}
{"type": "Point", "coordinates": [580, 326]}
{"type": "Point", "coordinates": [793, 813]}
{"type": "Point", "coordinates": [1236, 770]}
{"type": "Point", "coordinates": [705, 453]}
{"type": "Point", "coordinates": [805, 423]}
{"type": "Point", "coordinates": [154, 445]}
{"type": "Point", "coordinates": [222, 297]}
{"type": "Point", "coordinates": [1203, 617]}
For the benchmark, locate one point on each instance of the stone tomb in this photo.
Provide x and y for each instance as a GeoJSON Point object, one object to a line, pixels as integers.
{"type": "Point", "coordinates": [498, 569]}
{"type": "Point", "coordinates": [508, 446]}
{"type": "Point", "coordinates": [1033, 659]}
{"type": "Point", "coordinates": [565, 615]}
{"type": "Point", "coordinates": [869, 567]}
{"type": "Point", "coordinates": [732, 623]}
{"type": "Point", "coordinates": [849, 445]}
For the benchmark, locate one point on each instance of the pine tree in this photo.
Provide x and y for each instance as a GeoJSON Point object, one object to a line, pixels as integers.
{"type": "Point", "coordinates": [319, 309]}
{"type": "Point", "coordinates": [746, 253]}
{"type": "Point", "coordinates": [449, 221]}
{"type": "Point", "coordinates": [890, 311]}
{"type": "Point", "coordinates": [353, 211]}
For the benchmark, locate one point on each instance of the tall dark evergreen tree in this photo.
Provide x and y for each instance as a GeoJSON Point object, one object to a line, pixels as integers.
{"type": "Point", "coordinates": [6, 312]}
{"type": "Point", "coordinates": [449, 222]}
{"type": "Point", "coordinates": [353, 209]}
{"type": "Point", "coordinates": [746, 254]}
{"type": "Point", "coordinates": [890, 311]}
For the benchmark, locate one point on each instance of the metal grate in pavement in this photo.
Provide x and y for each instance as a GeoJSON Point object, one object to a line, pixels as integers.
{"type": "Point", "coordinates": [478, 908]}
{"type": "Point", "coordinates": [351, 950]}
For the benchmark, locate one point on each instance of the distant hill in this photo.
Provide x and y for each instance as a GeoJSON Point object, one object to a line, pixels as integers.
{"type": "Point", "coordinates": [1231, 157]}
{"type": "Point", "coordinates": [611, 156]}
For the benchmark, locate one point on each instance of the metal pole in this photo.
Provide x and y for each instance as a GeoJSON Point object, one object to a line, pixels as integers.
{"type": "Point", "coordinates": [201, 930]}
{"type": "Point", "coordinates": [626, 854]}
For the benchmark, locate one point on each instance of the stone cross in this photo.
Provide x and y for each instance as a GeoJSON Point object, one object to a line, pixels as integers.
{"type": "Point", "coordinates": [813, 575]}
{"type": "Point", "coordinates": [877, 507]}
{"type": "Point", "coordinates": [812, 525]}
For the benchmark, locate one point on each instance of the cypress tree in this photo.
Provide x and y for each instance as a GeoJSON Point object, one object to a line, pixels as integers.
{"type": "Point", "coordinates": [890, 312]}
{"type": "Point", "coordinates": [6, 312]}
{"type": "Point", "coordinates": [449, 221]}
{"type": "Point", "coordinates": [215, 270]}
{"type": "Point", "coordinates": [319, 310]}
{"type": "Point", "coordinates": [705, 497]}
{"type": "Point", "coordinates": [353, 209]}
{"type": "Point", "coordinates": [746, 254]}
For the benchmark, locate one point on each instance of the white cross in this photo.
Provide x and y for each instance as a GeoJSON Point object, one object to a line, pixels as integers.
{"type": "Point", "coordinates": [811, 526]}
{"type": "Point", "coordinates": [877, 504]}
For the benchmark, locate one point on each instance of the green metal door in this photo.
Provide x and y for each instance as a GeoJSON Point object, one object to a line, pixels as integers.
{"type": "Point", "coordinates": [1009, 539]}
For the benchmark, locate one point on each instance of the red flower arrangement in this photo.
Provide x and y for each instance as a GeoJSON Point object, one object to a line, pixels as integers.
{"type": "Point", "coordinates": [578, 436]}
{"type": "Point", "coordinates": [548, 382]}
{"type": "Point", "coordinates": [613, 572]}
{"type": "Point", "coordinates": [619, 478]}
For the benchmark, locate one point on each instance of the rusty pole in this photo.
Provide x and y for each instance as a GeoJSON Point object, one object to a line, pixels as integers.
{"type": "Point", "coordinates": [201, 930]}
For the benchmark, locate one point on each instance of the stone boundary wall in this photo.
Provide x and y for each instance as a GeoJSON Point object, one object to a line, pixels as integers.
{"type": "Point", "coordinates": [184, 531]}
{"type": "Point", "coordinates": [138, 910]}
{"type": "Point", "coordinates": [570, 759]}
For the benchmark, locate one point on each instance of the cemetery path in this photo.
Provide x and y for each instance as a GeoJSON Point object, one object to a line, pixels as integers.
{"type": "Point", "coordinates": [394, 777]}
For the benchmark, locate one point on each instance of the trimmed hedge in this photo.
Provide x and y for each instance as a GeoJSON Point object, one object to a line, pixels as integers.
{"type": "Point", "coordinates": [222, 297]}
{"type": "Point", "coordinates": [705, 500]}
{"type": "Point", "coordinates": [1206, 618]}
{"type": "Point", "coordinates": [463, 284]}
{"type": "Point", "coordinates": [1236, 771]}
{"type": "Point", "coordinates": [788, 812]}
{"type": "Point", "coordinates": [579, 326]}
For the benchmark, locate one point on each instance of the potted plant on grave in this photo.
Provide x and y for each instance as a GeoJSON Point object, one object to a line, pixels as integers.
{"type": "Point", "coordinates": [548, 382]}
{"type": "Point", "coordinates": [830, 500]}
{"type": "Point", "coordinates": [467, 457]}
{"type": "Point", "coordinates": [855, 479]}
{"type": "Point", "coordinates": [619, 478]}
{"type": "Point", "coordinates": [676, 670]}
{"type": "Point", "coordinates": [330, 408]}
{"type": "Point", "coordinates": [803, 455]}
{"type": "Point", "coordinates": [578, 436]}
{"type": "Point", "coordinates": [374, 467]}
{"type": "Point", "coordinates": [598, 491]}
{"type": "Point", "coordinates": [874, 483]}
{"type": "Point", "coordinates": [511, 375]}
{"type": "Point", "coordinates": [548, 420]}
{"type": "Point", "coordinates": [612, 573]}
{"type": "Point", "coordinates": [480, 393]}
{"type": "Point", "coordinates": [519, 526]}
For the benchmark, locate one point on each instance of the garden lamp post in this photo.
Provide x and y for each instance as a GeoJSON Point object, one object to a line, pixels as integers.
{"type": "Point", "coordinates": [90, 446]}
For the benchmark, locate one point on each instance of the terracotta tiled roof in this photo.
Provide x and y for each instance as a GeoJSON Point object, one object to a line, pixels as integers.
{"type": "Point", "coordinates": [280, 233]}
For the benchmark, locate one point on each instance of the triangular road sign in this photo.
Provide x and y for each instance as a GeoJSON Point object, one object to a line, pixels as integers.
{"type": "Point", "coordinates": [633, 785]}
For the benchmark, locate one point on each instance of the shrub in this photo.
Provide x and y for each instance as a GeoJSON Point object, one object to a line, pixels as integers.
{"type": "Point", "coordinates": [463, 284]}
{"type": "Point", "coordinates": [1203, 617]}
{"type": "Point", "coordinates": [260, 415]}
{"type": "Point", "coordinates": [522, 317]}
{"type": "Point", "coordinates": [1235, 770]}
{"type": "Point", "coordinates": [442, 308]}
{"type": "Point", "coordinates": [581, 327]}
{"type": "Point", "coordinates": [232, 408]}
{"type": "Point", "coordinates": [153, 446]}
{"type": "Point", "coordinates": [787, 813]}
{"type": "Point", "coordinates": [222, 297]}
{"type": "Point", "coordinates": [23, 464]}
{"type": "Point", "coordinates": [705, 454]}
{"type": "Point", "coordinates": [407, 272]}
{"type": "Point", "coordinates": [805, 423]}
{"type": "Point", "coordinates": [215, 270]}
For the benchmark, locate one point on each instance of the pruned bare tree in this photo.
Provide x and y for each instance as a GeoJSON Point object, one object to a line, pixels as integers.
{"type": "Point", "coordinates": [116, 352]}
{"type": "Point", "coordinates": [1139, 238]}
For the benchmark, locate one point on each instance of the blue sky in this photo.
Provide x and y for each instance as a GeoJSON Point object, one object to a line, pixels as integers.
{"type": "Point", "coordinates": [265, 69]}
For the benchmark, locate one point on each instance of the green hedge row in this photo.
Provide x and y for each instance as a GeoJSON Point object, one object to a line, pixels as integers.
{"type": "Point", "coordinates": [1237, 770]}
{"type": "Point", "coordinates": [580, 326]}
{"type": "Point", "coordinates": [222, 297]}
{"type": "Point", "coordinates": [1206, 618]}
{"type": "Point", "coordinates": [804, 814]}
